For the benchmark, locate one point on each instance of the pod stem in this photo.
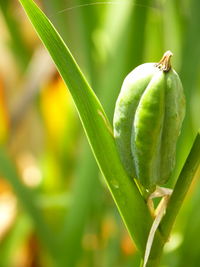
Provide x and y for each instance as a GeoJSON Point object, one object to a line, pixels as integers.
{"type": "Point", "coordinates": [189, 171]}
{"type": "Point", "coordinates": [164, 64]}
{"type": "Point", "coordinates": [165, 193]}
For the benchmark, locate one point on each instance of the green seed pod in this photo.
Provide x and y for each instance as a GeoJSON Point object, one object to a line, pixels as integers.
{"type": "Point", "coordinates": [147, 122]}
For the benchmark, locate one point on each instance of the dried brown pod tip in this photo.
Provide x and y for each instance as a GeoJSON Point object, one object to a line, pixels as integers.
{"type": "Point", "coordinates": [164, 64]}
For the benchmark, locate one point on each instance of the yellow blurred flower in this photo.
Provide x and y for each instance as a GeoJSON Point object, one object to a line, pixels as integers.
{"type": "Point", "coordinates": [4, 118]}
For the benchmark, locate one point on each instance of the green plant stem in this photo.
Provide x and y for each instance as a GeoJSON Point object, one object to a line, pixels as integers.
{"type": "Point", "coordinates": [189, 76]}
{"type": "Point", "coordinates": [180, 190]}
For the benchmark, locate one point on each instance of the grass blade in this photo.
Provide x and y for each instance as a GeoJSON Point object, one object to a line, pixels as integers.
{"type": "Point", "coordinates": [16, 43]}
{"type": "Point", "coordinates": [189, 74]}
{"type": "Point", "coordinates": [181, 188]}
{"type": "Point", "coordinates": [176, 200]}
{"type": "Point", "coordinates": [98, 130]}
{"type": "Point", "coordinates": [27, 199]}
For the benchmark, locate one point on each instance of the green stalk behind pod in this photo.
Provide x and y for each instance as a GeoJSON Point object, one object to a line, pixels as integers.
{"type": "Point", "coordinates": [147, 122]}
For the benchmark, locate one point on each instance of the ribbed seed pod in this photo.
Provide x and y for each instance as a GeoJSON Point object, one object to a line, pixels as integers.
{"type": "Point", "coordinates": [147, 122]}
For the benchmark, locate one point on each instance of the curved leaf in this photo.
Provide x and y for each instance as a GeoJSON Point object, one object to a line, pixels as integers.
{"type": "Point", "coordinates": [130, 203]}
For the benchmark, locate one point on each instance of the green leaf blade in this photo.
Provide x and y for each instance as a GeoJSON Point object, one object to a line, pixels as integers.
{"type": "Point", "coordinates": [130, 203]}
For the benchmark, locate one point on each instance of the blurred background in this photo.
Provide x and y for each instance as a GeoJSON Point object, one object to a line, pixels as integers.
{"type": "Point", "coordinates": [55, 209]}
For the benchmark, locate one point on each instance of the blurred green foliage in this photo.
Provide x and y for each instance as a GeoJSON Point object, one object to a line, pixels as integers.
{"type": "Point", "coordinates": [51, 188]}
